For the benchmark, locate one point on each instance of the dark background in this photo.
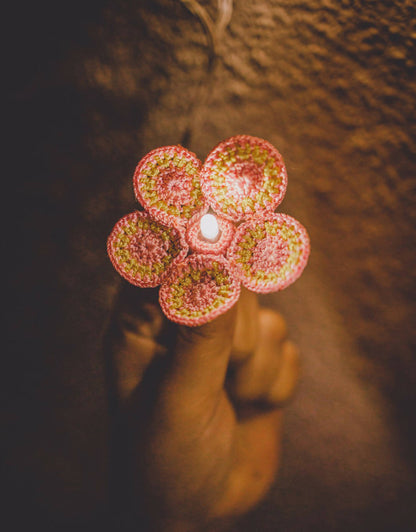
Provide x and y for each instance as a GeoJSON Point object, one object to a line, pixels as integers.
{"type": "Point", "coordinates": [90, 88]}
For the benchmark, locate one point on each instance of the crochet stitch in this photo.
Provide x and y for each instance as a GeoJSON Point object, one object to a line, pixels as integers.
{"type": "Point", "coordinates": [141, 249]}
{"type": "Point", "coordinates": [166, 183]}
{"type": "Point", "coordinates": [243, 176]}
{"type": "Point", "coordinates": [199, 289]}
{"type": "Point", "coordinates": [241, 182]}
{"type": "Point", "coordinates": [270, 252]}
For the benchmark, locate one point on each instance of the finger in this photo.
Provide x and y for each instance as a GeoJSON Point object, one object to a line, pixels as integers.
{"type": "Point", "coordinates": [256, 458]}
{"type": "Point", "coordinates": [200, 359]}
{"type": "Point", "coordinates": [138, 311]}
{"type": "Point", "coordinates": [191, 426]}
{"type": "Point", "coordinates": [247, 326]}
{"type": "Point", "coordinates": [286, 381]}
{"type": "Point", "coordinates": [132, 338]}
{"type": "Point", "coordinates": [255, 380]}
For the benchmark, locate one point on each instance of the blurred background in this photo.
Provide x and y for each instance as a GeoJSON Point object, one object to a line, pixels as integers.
{"type": "Point", "coordinates": [91, 88]}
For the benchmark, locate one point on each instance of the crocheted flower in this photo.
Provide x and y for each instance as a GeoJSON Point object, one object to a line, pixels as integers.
{"type": "Point", "coordinates": [237, 189]}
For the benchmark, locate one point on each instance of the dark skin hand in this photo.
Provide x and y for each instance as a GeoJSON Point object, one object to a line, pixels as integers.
{"type": "Point", "coordinates": [200, 408]}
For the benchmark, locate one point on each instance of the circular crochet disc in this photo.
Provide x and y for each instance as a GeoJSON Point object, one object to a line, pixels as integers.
{"type": "Point", "coordinates": [243, 176]}
{"type": "Point", "coordinates": [166, 183]}
{"type": "Point", "coordinates": [199, 289]}
{"type": "Point", "coordinates": [142, 249]}
{"type": "Point", "coordinates": [269, 252]}
{"type": "Point", "coordinates": [201, 245]}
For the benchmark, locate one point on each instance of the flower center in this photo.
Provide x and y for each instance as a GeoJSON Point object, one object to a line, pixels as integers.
{"type": "Point", "coordinates": [269, 254]}
{"type": "Point", "coordinates": [148, 247]}
{"type": "Point", "coordinates": [200, 295]}
{"type": "Point", "coordinates": [244, 179]}
{"type": "Point", "coordinates": [174, 186]}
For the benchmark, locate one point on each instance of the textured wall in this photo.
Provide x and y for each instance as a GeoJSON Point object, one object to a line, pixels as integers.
{"type": "Point", "coordinates": [331, 84]}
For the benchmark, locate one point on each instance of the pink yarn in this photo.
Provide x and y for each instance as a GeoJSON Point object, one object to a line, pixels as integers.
{"type": "Point", "coordinates": [243, 178]}
{"type": "Point", "coordinates": [269, 252]}
{"type": "Point", "coordinates": [166, 183]}
{"type": "Point", "coordinates": [199, 289]}
{"type": "Point", "coordinates": [142, 250]}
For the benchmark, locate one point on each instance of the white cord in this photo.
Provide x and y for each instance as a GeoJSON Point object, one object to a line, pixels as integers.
{"type": "Point", "coordinates": [214, 29]}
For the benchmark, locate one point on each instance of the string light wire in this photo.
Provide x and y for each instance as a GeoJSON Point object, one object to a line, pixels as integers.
{"type": "Point", "coordinates": [214, 31]}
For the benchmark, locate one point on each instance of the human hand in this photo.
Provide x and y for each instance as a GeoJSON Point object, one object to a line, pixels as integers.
{"type": "Point", "coordinates": [201, 408]}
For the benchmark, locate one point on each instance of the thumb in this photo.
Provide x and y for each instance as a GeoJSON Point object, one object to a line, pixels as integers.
{"type": "Point", "coordinates": [200, 359]}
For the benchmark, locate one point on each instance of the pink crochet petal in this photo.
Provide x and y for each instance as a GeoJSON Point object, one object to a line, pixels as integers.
{"type": "Point", "coordinates": [269, 252]}
{"type": "Point", "coordinates": [243, 176]}
{"type": "Point", "coordinates": [199, 244]}
{"type": "Point", "coordinates": [199, 289]}
{"type": "Point", "coordinates": [166, 183]}
{"type": "Point", "coordinates": [142, 249]}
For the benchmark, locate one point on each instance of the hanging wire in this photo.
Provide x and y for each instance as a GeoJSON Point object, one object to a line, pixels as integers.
{"type": "Point", "coordinates": [207, 23]}
{"type": "Point", "coordinates": [214, 31]}
{"type": "Point", "coordinates": [225, 12]}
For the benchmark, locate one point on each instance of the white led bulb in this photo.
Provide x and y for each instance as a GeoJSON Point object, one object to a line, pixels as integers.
{"type": "Point", "coordinates": [209, 227]}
